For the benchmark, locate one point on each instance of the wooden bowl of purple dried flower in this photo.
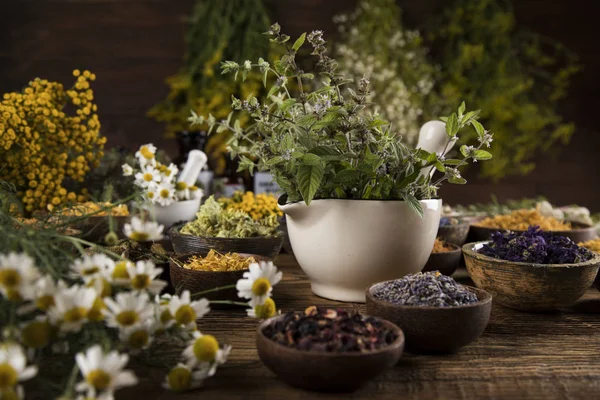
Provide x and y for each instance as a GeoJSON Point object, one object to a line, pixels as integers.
{"type": "Point", "coordinates": [528, 286]}
{"type": "Point", "coordinates": [578, 233]}
{"type": "Point", "coordinates": [327, 371]}
{"type": "Point", "coordinates": [446, 262]}
{"type": "Point", "coordinates": [434, 329]}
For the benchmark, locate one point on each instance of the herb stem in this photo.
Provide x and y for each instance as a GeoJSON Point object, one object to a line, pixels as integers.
{"type": "Point", "coordinates": [213, 290]}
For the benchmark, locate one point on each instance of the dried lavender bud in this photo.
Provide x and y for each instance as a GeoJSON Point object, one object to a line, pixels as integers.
{"type": "Point", "coordinates": [430, 289]}
{"type": "Point", "coordinates": [329, 330]}
{"type": "Point", "coordinates": [535, 246]}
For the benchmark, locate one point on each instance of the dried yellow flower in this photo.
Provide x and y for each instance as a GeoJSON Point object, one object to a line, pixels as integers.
{"type": "Point", "coordinates": [521, 220]}
{"type": "Point", "coordinates": [217, 262]}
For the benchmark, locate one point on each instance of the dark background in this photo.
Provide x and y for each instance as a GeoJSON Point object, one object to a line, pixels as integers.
{"type": "Point", "coordinates": [132, 45]}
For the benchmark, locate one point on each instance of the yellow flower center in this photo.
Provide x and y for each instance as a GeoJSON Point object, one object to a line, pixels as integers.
{"type": "Point", "coordinates": [266, 310]}
{"type": "Point", "coordinates": [36, 334]}
{"type": "Point", "coordinates": [261, 287]}
{"type": "Point", "coordinates": [95, 313]}
{"type": "Point", "coordinates": [120, 271]}
{"type": "Point", "coordinates": [148, 177]}
{"type": "Point", "coordinates": [9, 394]}
{"type": "Point", "coordinates": [181, 186]}
{"type": "Point", "coordinates": [9, 278]}
{"type": "Point", "coordinates": [140, 282]}
{"type": "Point", "coordinates": [44, 302]}
{"type": "Point", "coordinates": [150, 195]}
{"type": "Point", "coordinates": [165, 317]}
{"type": "Point", "coordinates": [185, 314]}
{"type": "Point", "coordinates": [13, 295]}
{"type": "Point", "coordinates": [127, 318]}
{"type": "Point", "coordinates": [206, 348]}
{"type": "Point", "coordinates": [145, 151]}
{"type": "Point", "coordinates": [75, 314]}
{"type": "Point", "coordinates": [139, 236]}
{"type": "Point", "coordinates": [99, 379]}
{"type": "Point", "coordinates": [179, 379]}
{"type": "Point", "coordinates": [106, 287]}
{"type": "Point", "coordinates": [139, 339]}
{"type": "Point", "coordinates": [164, 193]}
{"type": "Point", "coordinates": [90, 271]}
{"type": "Point", "coordinates": [8, 376]}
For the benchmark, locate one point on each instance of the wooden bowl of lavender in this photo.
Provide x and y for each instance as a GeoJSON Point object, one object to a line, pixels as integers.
{"type": "Point", "coordinates": [328, 350]}
{"type": "Point", "coordinates": [436, 314]}
{"type": "Point", "coordinates": [445, 258]}
{"type": "Point", "coordinates": [532, 270]}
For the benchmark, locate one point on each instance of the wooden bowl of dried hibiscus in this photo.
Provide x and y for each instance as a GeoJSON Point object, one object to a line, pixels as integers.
{"type": "Point", "coordinates": [328, 350]}
{"type": "Point", "coordinates": [532, 270]}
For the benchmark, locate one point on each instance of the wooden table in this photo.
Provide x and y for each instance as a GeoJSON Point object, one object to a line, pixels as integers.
{"type": "Point", "coordinates": [520, 355]}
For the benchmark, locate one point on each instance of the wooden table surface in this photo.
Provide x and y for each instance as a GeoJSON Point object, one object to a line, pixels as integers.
{"type": "Point", "coordinates": [520, 355]}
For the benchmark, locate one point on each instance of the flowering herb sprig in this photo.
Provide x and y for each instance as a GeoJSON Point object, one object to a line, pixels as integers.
{"type": "Point", "coordinates": [535, 246]}
{"type": "Point", "coordinates": [321, 143]}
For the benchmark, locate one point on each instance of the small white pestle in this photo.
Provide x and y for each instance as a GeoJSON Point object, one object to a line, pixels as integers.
{"type": "Point", "coordinates": [434, 139]}
{"type": "Point", "coordinates": [195, 162]}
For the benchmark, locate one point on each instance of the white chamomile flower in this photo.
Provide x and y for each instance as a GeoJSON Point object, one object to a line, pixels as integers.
{"type": "Point", "coordinates": [71, 307]}
{"type": "Point", "coordinates": [103, 372]}
{"type": "Point", "coordinates": [127, 170]}
{"type": "Point", "coordinates": [142, 277]}
{"type": "Point", "coordinates": [17, 273]}
{"type": "Point", "coordinates": [147, 176]}
{"type": "Point", "coordinates": [195, 192]}
{"type": "Point", "coordinates": [258, 283]}
{"type": "Point", "coordinates": [41, 294]}
{"type": "Point", "coordinates": [128, 309]}
{"type": "Point", "coordinates": [151, 192]}
{"type": "Point", "coordinates": [183, 377]}
{"type": "Point", "coordinates": [204, 352]}
{"type": "Point", "coordinates": [263, 311]}
{"type": "Point", "coordinates": [146, 155]}
{"type": "Point", "coordinates": [165, 194]}
{"type": "Point", "coordinates": [185, 311]}
{"type": "Point", "coordinates": [162, 316]}
{"type": "Point", "coordinates": [143, 231]}
{"type": "Point", "coordinates": [90, 267]}
{"type": "Point", "coordinates": [170, 172]}
{"type": "Point", "coordinates": [139, 336]}
{"type": "Point", "coordinates": [13, 367]}
{"type": "Point", "coordinates": [118, 272]}
{"type": "Point", "coordinates": [182, 191]}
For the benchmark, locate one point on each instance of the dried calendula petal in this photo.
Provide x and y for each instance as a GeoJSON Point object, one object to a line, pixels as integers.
{"type": "Point", "coordinates": [310, 310]}
{"type": "Point", "coordinates": [217, 262]}
{"type": "Point", "coordinates": [521, 220]}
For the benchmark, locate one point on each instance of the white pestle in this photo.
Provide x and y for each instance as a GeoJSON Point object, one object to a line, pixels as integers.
{"type": "Point", "coordinates": [195, 162]}
{"type": "Point", "coordinates": [434, 139]}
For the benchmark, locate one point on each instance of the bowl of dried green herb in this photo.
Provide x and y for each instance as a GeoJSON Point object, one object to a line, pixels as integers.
{"type": "Point", "coordinates": [328, 350]}
{"type": "Point", "coordinates": [436, 314]}
{"type": "Point", "coordinates": [531, 270]}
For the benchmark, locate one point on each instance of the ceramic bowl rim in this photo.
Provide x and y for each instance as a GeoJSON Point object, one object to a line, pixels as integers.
{"type": "Point", "coordinates": [175, 259]}
{"type": "Point", "coordinates": [578, 227]}
{"type": "Point", "coordinates": [281, 201]}
{"type": "Point", "coordinates": [486, 298]}
{"type": "Point", "coordinates": [394, 346]}
{"type": "Point", "coordinates": [468, 249]}
{"type": "Point", "coordinates": [176, 230]}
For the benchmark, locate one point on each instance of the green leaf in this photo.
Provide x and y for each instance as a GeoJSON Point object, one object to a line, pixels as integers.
{"type": "Point", "coordinates": [468, 117]}
{"type": "Point", "coordinates": [461, 109]}
{"type": "Point", "coordinates": [273, 161]}
{"type": "Point", "coordinates": [311, 159]}
{"type": "Point", "coordinates": [457, 181]}
{"type": "Point", "coordinates": [464, 151]}
{"type": "Point", "coordinates": [287, 104]}
{"type": "Point", "coordinates": [453, 162]}
{"type": "Point", "coordinates": [299, 42]}
{"type": "Point", "coordinates": [346, 176]}
{"type": "Point", "coordinates": [482, 155]}
{"type": "Point", "coordinates": [478, 127]}
{"type": "Point", "coordinates": [452, 125]}
{"type": "Point", "coordinates": [431, 158]}
{"type": "Point", "coordinates": [309, 180]}
{"type": "Point", "coordinates": [439, 166]}
{"type": "Point", "coordinates": [414, 204]}
{"type": "Point", "coordinates": [273, 90]}
{"type": "Point", "coordinates": [308, 76]}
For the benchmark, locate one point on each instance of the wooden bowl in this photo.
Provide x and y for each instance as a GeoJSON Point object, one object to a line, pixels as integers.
{"type": "Point", "coordinates": [326, 372]}
{"type": "Point", "coordinates": [95, 227]}
{"type": "Point", "coordinates": [579, 233]}
{"type": "Point", "coordinates": [434, 329]}
{"type": "Point", "coordinates": [199, 281]}
{"type": "Point", "coordinates": [188, 244]}
{"type": "Point", "coordinates": [454, 234]}
{"type": "Point", "coordinates": [529, 287]}
{"type": "Point", "coordinates": [446, 262]}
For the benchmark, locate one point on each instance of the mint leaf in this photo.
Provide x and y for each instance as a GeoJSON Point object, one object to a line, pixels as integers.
{"type": "Point", "coordinates": [452, 125]}
{"type": "Point", "coordinates": [309, 180]}
{"type": "Point", "coordinates": [299, 42]}
{"type": "Point", "coordinates": [482, 155]}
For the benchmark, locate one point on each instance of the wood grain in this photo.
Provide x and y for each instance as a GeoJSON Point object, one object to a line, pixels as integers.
{"type": "Point", "coordinates": [537, 356]}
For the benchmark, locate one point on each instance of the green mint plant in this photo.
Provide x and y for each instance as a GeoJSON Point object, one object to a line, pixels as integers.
{"type": "Point", "coordinates": [319, 144]}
